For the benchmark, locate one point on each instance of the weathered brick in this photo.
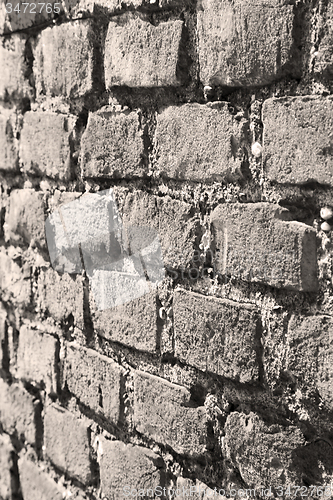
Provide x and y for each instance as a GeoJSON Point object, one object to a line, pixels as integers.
{"type": "Point", "coordinates": [133, 324]}
{"type": "Point", "coordinates": [245, 44]}
{"type": "Point", "coordinates": [15, 281]}
{"type": "Point", "coordinates": [199, 142]}
{"type": "Point", "coordinates": [127, 467]}
{"type": "Point", "coordinates": [26, 16]}
{"type": "Point", "coordinates": [323, 57]}
{"type": "Point", "coordinates": [277, 250]}
{"type": "Point", "coordinates": [177, 224]}
{"type": "Point", "coordinates": [36, 484]}
{"type": "Point", "coordinates": [8, 141]}
{"type": "Point", "coordinates": [37, 358]}
{"type": "Point", "coordinates": [112, 145]}
{"type": "Point", "coordinates": [24, 220]}
{"type": "Point", "coordinates": [139, 54]}
{"type": "Point", "coordinates": [95, 379]}
{"type": "Point", "coordinates": [163, 412]}
{"type": "Point", "coordinates": [309, 356]}
{"type": "Point", "coordinates": [217, 335]}
{"type": "Point", "coordinates": [64, 60]}
{"type": "Point", "coordinates": [61, 296]}
{"type": "Point", "coordinates": [13, 82]}
{"type": "Point", "coordinates": [262, 454]}
{"type": "Point", "coordinates": [8, 481]}
{"type": "Point", "coordinates": [45, 146]}
{"type": "Point", "coordinates": [19, 412]}
{"type": "Point", "coordinates": [297, 139]}
{"type": "Point", "coordinates": [67, 443]}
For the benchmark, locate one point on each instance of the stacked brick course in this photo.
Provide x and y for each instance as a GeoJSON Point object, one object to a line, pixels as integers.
{"type": "Point", "coordinates": [212, 122]}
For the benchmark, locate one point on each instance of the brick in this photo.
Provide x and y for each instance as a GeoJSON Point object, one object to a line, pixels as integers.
{"type": "Point", "coordinates": [234, 38]}
{"type": "Point", "coordinates": [8, 141]}
{"type": "Point", "coordinates": [28, 16]}
{"type": "Point", "coordinates": [64, 60]}
{"type": "Point", "coordinates": [15, 283]}
{"type": "Point", "coordinates": [199, 142]}
{"type": "Point", "coordinates": [45, 146]}
{"type": "Point", "coordinates": [13, 81]}
{"type": "Point", "coordinates": [37, 358]}
{"type": "Point", "coordinates": [217, 335]}
{"type": "Point", "coordinates": [323, 57]}
{"type": "Point", "coordinates": [67, 443]}
{"type": "Point", "coordinates": [127, 467]}
{"type": "Point", "coordinates": [37, 484]}
{"type": "Point", "coordinates": [24, 220]}
{"type": "Point", "coordinates": [139, 54]}
{"type": "Point", "coordinates": [8, 481]}
{"type": "Point", "coordinates": [19, 413]}
{"type": "Point", "coordinates": [309, 356]}
{"type": "Point", "coordinates": [133, 324]}
{"type": "Point", "coordinates": [113, 145]}
{"type": "Point", "coordinates": [263, 454]}
{"type": "Point", "coordinates": [277, 251]}
{"type": "Point", "coordinates": [297, 145]}
{"type": "Point", "coordinates": [95, 380]}
{"type": "Point", "coordinates": [177, 224]}
{"type": "Point", "coordinates": [163, 412]}
{"type": "Point", "coordinates": [61, 296]}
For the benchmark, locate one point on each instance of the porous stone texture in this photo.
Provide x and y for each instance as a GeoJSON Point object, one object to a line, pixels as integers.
{"type": "Point", "coordinates": [37, 358]}
{"type": "Point", "coordinates": [95, 380]}
{"type": "Point", "coordinates": [163, 412]}
{"type": "Point", "coordinates": [126, 468]}
{"type": "Point", "coordinates": [19, 413]}
{"type": "Point", "coordinates": [323, 56]}
{"type": "Point", "coordinates": [140, 54]}
{"type": "Point", "coordinates": [67, 443]}
{"type": "Point", "coordinates": [279, 251]}
{"type": "Point", "coordinates": [216, 335]}
{"type": "Point", "coordinates": [19, 15]}
{"type": "Point", "coordinates": [8, 142]}
{"type": "Point", "coordinates": [35, 483]}
{"type": "Point", "coordinates": [245, 44]}
{"type": "Point", "coordinates": [15, 281]}
{"type": "Point", "coordinates": [297, 139]}
{"type": "Point", "coordinates": [263, 454]}
{"type": "Point", "coordinates": [112, 145]}
{"type": "Point", "coordinates": [45, 146]}
{"type": "Point", "coordinates": [8, 482]}
{"type": "Point", "coordinates": [64, 60]}
{"type": "Point", "coordinates": [199, 143]}
{"type": "Point", "coordinates": [13, 80]}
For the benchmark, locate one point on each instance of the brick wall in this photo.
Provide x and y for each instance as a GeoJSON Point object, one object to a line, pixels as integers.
{"type": "Point", "coordinates": [212, 121]}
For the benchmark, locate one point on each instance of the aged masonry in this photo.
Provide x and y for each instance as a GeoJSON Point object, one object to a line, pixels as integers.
{"type": "Point", "coordinates": [178, 153]}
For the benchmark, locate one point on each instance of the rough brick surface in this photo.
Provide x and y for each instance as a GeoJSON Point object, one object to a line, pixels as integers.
{"type": "Point", "coordinates": [24, 220]}
{"type": "Point", "coordinates": [133, 324]}
{"type": "Point", "coordinates": [8, 142]}
{"type": "Point", "coordinates": [297, 139]}
{"type": "Point", "coordinates": [13, 82]}
{"type": "Point", "coordinates": [112, 145]}
{"type": "Point", "coordinates": [26, 16]}
{"type": "Point", "coordinates": [177, 224]}
{"type": "Point", "coordinates": [323, 62]}
{"type": "Point", "coordinates": [67, 443]}
{"type": "Point", "coordinates": [8, 482]}
{"type": "Point", "coordinates": [95, 380]}
{"type": "Point", "coordinates": [127, 466]}
{"type": "Point", "coordinates": [245, 44]}
{"type": "Point", "coordinates": [45, 146]}
{"type": "Point", "coordinates": [262, 454]}
{"type": "Point", "coordinates": [64, 59]}
{"type": "Point", "coordinates": [61, 296]}
{"type": "Point", "coordinates": [37, 484]}
{"type": "Point", "coordinates": [220, 336]}
{"type": "Point", "coordinates": [163, 412]}
{"type": "Point", "coordinates": [37, 358]}
{"type": "Point", "coordinates": [19, 412]}
{"type": "Point", "coordinates": [279, 252]}
{"type": "Point", "coordinates": [310, 354]}
{"type": "Point", "coordinates": [142, 55]}
{"type": "Point", "coordinates": [199, 142]}
{"type": "Point", "coordinates": [15, 282]}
